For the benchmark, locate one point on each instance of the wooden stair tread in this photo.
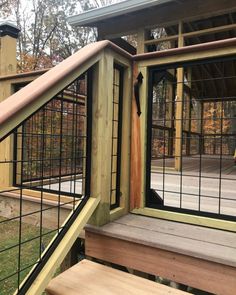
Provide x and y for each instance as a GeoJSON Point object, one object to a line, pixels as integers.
{"type": "Point", "coordinates": [199, 242]}
{"type": "Point", "coordinates": [90, 278]}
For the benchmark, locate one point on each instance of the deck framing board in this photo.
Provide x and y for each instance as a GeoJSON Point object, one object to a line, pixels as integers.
{"type": "Point", "coordinates": [199, 273]}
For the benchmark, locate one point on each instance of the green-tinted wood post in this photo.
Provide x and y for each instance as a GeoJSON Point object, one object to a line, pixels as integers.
{"type": "Point", "coordinates": [142, 37]}
{"type": "Point", "coordinates": [188, 112]}
{"type": "Point", "coordinates": [179, 108]}
{"type": "Point", "coordinates": [8, 64]}
{"type": "Point", "coordinates": [8, 37]}
{"type": "Point", "coordinates": [102, 137]}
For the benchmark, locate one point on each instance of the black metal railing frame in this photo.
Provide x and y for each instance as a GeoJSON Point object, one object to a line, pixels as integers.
{"type": "Point", "coordinates": [76, 202]}
{"type": "Point", "coordinates": [153, 200]}
{"type": "Point", "coordinates": [116, 136]}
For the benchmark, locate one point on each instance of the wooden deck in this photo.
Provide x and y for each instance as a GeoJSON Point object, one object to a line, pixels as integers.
{"type": "Point", "coordinates": [206, 184]}
{"type": "Point", "coordinates": [199, 257]}
{"type": "Point", "coordinates": [209, 165]}
{"type": "Point", "coordinates": [197, 188]}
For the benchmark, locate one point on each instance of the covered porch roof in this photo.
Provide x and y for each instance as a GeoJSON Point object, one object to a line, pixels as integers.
{"type": "Point", "coordinates": [127, 17]}
{"type": "Point", "coordinates": [95, 16]}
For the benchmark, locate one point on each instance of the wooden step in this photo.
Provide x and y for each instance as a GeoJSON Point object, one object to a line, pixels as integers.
{"type": "Point", "coordinates": [195, 256]}
{"type": "Point", "coordinates": [90, 278]}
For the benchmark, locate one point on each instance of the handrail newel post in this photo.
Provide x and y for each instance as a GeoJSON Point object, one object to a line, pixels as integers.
{"type": "Point", "coordinates": [102, 137]}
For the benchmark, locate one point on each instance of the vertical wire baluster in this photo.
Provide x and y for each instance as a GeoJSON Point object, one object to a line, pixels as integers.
{"type": "Point", "coordinates": [112, 137]}
{"type": "Point", "coordinates": [76, 143]}
{"type": "Point", "coordinates": [20, 209]}
{"type": "Point", "coordinates": [42, 181]}
{"type": "Point", "coordinates": [164, 97]}
{"type": "Point", "coordinates": [60, 160]}
{"type": "Point", "coordinates": [73, 172]}
{"type": "Point", "coordinates": [221, 143]}
{"type": "Point", "coordinates": [201, 150]}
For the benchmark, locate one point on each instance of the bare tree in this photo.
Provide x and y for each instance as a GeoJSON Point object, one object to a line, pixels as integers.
{"type": "Point", "coordinates": [46, 37]}
{"type": "Point", "coordinates": [5, 7]}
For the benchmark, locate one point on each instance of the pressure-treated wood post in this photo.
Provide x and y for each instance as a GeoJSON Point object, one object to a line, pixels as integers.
{"type": "Point", "coordinates": [102, 137]}
{"type": "Point", "coordinates": [8, 63]}
{"type": "Point", "coordinates": [169, 113]}
{"type": "Point", "coordinates": [143, 133]}
{"type": "Point", "coordinates": [136, 160]}
{"type": "Point", "coordinates": [142, 37]}
{"type": "Point", "coordinates": [188, 112]}
{"type": "Point", "coordinates": [179, 120]}
{"type": "Point", "coordinates": [8, 36]}
{"type": "Point", "coordinates": [179, 108]}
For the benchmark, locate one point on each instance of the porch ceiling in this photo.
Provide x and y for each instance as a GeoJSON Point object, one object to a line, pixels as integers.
{"type": "Point", "coordinates": [222, 74]}
{"type": "Point", "coordinates": [127, 17]}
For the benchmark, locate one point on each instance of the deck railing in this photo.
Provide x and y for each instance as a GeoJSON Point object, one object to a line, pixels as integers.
{"type": "Point", "coordinates": [52, 152]}
{"type": "Point", "coordinates": [46, 163]}
{"type": "Point", "coordinates": [71, 150]}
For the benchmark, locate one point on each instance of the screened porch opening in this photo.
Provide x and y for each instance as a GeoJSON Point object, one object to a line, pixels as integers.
{"type": "Point", "coordinates": [192, 138]}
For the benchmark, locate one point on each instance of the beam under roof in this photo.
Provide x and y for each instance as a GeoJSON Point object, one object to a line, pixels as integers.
{"type": "Point", "coordinates": [92, 17]}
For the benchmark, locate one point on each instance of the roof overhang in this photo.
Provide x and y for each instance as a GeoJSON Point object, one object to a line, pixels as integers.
{"type": "Point", "coordinates": [92, 17]}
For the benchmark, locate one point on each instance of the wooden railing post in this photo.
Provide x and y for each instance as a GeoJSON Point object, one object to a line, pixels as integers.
{"type": "Point", "coordinates": [142, 36]}
{"type": "Point", "coordinates": [179, 107]}
{"type": "Point", "coordinates": [102, 137]}
{"type": "Point", "coordinates": [8, 64]}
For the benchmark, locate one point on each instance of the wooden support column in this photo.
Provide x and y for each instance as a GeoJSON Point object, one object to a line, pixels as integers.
{"type": "Point", "coordinates": [8, 63]}
{"type": "Point", "coordinates": [188, 112]}
{"type": "Point", "coordinates": [179, 120]}
{"type": "Point", "coordinates": [139, 143]}
{"type": "Point", "coordinates": [8, 38]}
{"type": "Point", "coordinates": [142, 37]}
{"type": "Point", "coordinates": [135, 168]}
{"type": "Point", "coordinates": [179, 107]}
{"type": "Point", "coordinates": [201, 127]}
{"type": "Point", "coordinates": [102, 137]}
{"type": "Point", "coordinates": [170, 100]}
{"type": "Point", "coordinates": [126, 137]}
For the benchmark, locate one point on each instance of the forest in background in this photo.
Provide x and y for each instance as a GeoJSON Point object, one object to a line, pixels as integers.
{"type": "Point", "coordinates": [46, 38]}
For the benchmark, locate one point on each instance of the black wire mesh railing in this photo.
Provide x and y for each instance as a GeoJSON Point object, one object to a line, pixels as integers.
{"type": "Point", "coordinates": [44, 176]}
{"type": "Point", "coordinates": [195, 172]}
{"type": "Point", "coordinates": [50, 145]}
{"type": "Point", "coordinates": [117, 102]}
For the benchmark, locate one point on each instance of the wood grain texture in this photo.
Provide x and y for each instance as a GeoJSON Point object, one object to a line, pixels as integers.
{"type": "Point", "coordinates": [8, 61]}
{"type": "Point", "coordinates": [178, 229]}
{"type": "Point", "coordinates": [126, 139]}
{"type": "Point", "coordinates": [198, 273]}
{"type": "Point", "coordinates": [203, 221]}
{"type": "Point", "coordinates": [89, 278]}
{"type": "Point", "coordinates": [203, 243]}
{"type": "Point", "coordinates": [143, 122]}
{"type": "Point", "coordinates": [102, 137]}
{"type": "Point", "coordinates": [135, 167]}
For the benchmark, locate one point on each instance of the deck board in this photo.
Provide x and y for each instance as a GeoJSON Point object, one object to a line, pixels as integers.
{"type": "Point", "coordinates": [205, 243]}
{"type": "Point", "coordinates": [210, 189]}
{"type": "Point", "coordinates": [180, 229]}
{"type": "Point", "coordinates": [89, 278]}
{"type": "Point", "coordinates": [209, 164]}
